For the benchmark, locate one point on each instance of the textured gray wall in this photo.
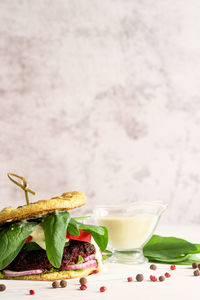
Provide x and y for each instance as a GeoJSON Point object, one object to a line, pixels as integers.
{"type": "Point", "coordinates": [102, 97]}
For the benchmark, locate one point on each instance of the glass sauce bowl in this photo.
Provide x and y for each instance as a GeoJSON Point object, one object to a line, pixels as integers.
{"type": "Point", "coordinates": [129, 226]}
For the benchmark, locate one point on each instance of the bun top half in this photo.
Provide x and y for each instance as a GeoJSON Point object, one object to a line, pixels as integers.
{"type": "Point", "coordinates": [41, 208]}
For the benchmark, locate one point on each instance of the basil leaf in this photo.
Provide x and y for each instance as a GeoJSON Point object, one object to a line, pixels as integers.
{"type": "Point", "coordinates": [162, 247]}
{"type": "Point", "coordinates": [12, 239]}
{"type": "Point", "coordinates": [55, 229]}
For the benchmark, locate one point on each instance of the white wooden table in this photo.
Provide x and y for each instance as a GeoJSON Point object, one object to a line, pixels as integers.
{"type": "Point", "coordinates": [181, 285]}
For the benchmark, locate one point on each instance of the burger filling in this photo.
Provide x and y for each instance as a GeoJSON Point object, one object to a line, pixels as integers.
{"type": "Point", "coordinates": [31, 260]}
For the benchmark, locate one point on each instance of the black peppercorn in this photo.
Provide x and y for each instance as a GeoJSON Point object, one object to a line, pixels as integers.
{"type": "Point", "coordinates": [83, 280]}
{"type": "Point", "coordinates": [2, 287]}
{"type": "Point", "coordinates": [55, 284]}
{"type": "Point", "coordinates": [139, 277]}
{"type": "Point", "coordinates": [63, 283]}
{"type": "Point", "coordinates": [195, 265]}
{"type": "Point", "coordinates": [161, 278]}
{"type": "Point", "coordinates": [153, 267]}
{"type": "Point", "coordinates": [196, 273]}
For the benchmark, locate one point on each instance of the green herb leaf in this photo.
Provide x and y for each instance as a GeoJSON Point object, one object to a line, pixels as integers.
{"type": "Point", "coordinates": [31, 246]}
{"type": "Point", "coordinates": [188, 260]}
{"type": "Point", "coordinates": [170, 260]}
{"type": "Point", "coordinates": [99, 233]}
{"type": "Point", "coordinates": [55, 229]}
{"type": "Point", "coordinates": [167, 247]}
{"type": "Point", "coordinates": [197, 249]}
{"type": "Point", "coordinates": [80, 259]}
{"type": "Point", "coordinates": [73, 227]}
{"type": "Point", "coordinates": [82, 218]}
{"type": "Point", "coordinates": [12, 239]}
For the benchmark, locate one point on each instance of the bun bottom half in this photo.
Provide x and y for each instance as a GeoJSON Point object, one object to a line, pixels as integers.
{"type": "Point", "coordinates": [59, 275]}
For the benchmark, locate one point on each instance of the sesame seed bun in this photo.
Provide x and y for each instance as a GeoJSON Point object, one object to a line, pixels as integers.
{"type": "Point", "coordinates": [55, 275]}
{"type": "Point", "coordinates": [40, 208]}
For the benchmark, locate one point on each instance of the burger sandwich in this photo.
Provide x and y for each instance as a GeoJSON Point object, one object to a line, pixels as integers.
{"type": "Point", "coordinates": [41, 241]}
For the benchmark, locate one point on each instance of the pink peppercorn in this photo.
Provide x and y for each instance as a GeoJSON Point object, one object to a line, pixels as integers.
{"type": "Point", "coordinates": [173, 267]}
{"type": "Point", "coordinates": [153, 278]}
{"type": "Point", "coordinates": [167, 275]}
{"type": "Point", "coordinates": [83, 287]}
{"type": "Point", "coordinates": [95, 271]}
{"type": "Point", "coordinates": [130, 279]}
{"type": "Point", "coordinates": [32, 292]}
{"type": "Point", "coordinates": [102, 289]}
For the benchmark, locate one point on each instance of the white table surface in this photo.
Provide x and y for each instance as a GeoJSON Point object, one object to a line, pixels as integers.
{"type": "Point", "coordinates": [181, 285]}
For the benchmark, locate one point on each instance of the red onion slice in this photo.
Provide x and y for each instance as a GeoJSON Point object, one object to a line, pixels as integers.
{"type": "Point", "coordinates": [91, 257]}
{"type": "Point", "coordinates": [21, 273]}
{"type": "Point", "coordinates": [88, 264]}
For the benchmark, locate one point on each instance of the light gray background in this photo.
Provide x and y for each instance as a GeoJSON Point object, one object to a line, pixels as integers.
{"type": "Point", "coordinates": [102, 97]}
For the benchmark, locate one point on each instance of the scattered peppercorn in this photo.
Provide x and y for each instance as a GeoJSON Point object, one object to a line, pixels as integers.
{"type": "Point", "coordinates": [173, 267]}
{"type": "Point", "coordinates": [196, 273]}
{"type": "Point", "coordinates": [63, 283]}
{"type": "Point", "coordinates": [95, 271]}
{"type": "Point", "coordinates": [83, 280]}
{"type": "Point", "coordinates": [161, 278]}
{"type": "Point", "coordinates": [55, 284]}
{"type": "Point", "coordinates": [139, 277]}
{"type": "Point", "coordinates": [199, 266]}
{"type": "Point", "coordinates": [130, 279]}
{"type": "Point", "coordinates": [167, 275]}
{"type": "Point", "coordinates": [153, 267]}
{"type": "Point", "coordinates": [153, 278]}
{"type": "Point", "coordinates": [2, 287]}
{"type": "Point", "coordinates": [83, 287]}
{"type": "Point", "coordinates": [32, 292]}
{"type": "Point", "coordinates": [102, 289]}
{"type": "Point", "coordinates": [195, 265]}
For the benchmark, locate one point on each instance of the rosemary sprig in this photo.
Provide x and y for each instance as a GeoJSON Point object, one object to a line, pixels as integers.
{"type": "Point", "coordinates": [23, 185]}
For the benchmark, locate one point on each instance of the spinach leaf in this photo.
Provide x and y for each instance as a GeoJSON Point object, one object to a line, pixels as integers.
{"type": "Point", "coordinates": [170, 259]}
{"type": "Point", "coordinates": [82, 218]}
{"type": "Point", "coordinates": [99, 233]}
{"type": "Point", "coordinates": [197, 249]}
{"type": "Point", "coordinates": [188, 260]}
{"type": "Point", "coordinates": [55, 229]}
{"type": "Point", "coordinates": [167, 247]}
{"type": "Point", "coordinates": [12, 239]}
{"type": "Point", "coordinates": [31, 246]}
{"type": "Point", "coordinates": [73, 227]}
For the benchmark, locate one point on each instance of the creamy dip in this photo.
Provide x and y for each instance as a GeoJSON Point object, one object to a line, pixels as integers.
{"type": "Point", "coordinates": [128, 231]}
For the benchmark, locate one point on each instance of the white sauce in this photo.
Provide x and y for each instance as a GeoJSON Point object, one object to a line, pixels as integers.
{"type": "Point", "coordinates": [128, 231]}
{"type": "Point", "coordinates": [98, 255]}
{"type": "Point", "coordinates": [38, 237]}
